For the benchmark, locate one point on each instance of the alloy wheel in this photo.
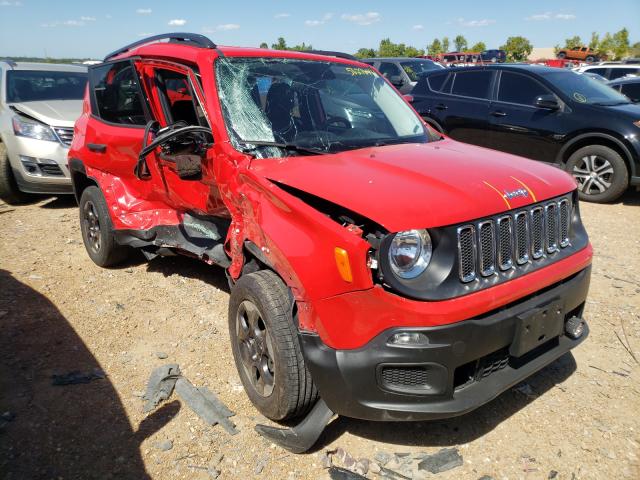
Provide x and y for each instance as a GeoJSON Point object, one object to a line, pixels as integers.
{"type": "Point", "coordinates": [594, 174]}
{"type": "Point", "coordinates": [256, 348]}
{"type": "Point", "coordinates": [92, 226]}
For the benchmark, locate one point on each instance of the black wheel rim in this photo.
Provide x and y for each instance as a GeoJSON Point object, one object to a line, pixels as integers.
{"type": "Point", "coordinates": [92, 226]}
{"type": "Point", "coordinates": [594, 174]}
{"type": "Point", "coordinates": [256, 348]}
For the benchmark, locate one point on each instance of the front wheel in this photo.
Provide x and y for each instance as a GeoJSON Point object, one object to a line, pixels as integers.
{"type": "Point", "coordinates": [264, 340]}
{"type": "Point", "coordinates": [600, 172]}
{"type": "Point", "coordinates": [9, 191]}
{"type": "Point", "coordinates": [97, 230]}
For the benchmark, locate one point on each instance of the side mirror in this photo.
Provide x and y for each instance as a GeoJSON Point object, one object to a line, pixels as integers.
{"type": "Point", "coordinates": [396, 80]}
{"type": "Point", "coordinates": [547, 102]}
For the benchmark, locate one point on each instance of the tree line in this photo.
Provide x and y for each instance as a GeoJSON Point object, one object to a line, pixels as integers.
{"type": "Point", "coordinates": [614, 46]}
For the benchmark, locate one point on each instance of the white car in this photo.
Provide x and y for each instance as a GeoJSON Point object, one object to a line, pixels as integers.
{"type": "Point", "coordinates": [39, 103]}
{"type": "Point", "coordinates": [611, 71]}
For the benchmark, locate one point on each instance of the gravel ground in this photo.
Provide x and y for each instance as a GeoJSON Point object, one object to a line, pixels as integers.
{"type": "Point", "coordinates": [579, 418]}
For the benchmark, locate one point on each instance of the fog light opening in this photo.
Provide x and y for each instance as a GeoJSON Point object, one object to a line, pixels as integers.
{"type": "Point", "coordinates": [409, 339]}
{"type": "Point", "coordinates": [574, 328]}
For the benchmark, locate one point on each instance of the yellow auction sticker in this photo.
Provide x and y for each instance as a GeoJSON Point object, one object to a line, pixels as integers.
{"type": "Point", "coordinates": [355, 71]}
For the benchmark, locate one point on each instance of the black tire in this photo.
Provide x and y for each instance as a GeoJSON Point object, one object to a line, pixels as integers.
{"type": "Point", "coordinates": [561, 55]}
{"type": "Point", "coordinates": [601, 173]}
{"type": "Point", "coordinates": [9, 191]}
{"type": "Point", "coordinates": [590, 59]}
{"type": "Point", "coordinates": [264, 341]}
{"type": "Point", "coordinates": [97, 229]}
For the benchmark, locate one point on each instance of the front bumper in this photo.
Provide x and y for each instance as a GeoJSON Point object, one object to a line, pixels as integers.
{"type": "Point", "coordinates": [39, 166]}
{"type": "Point", "coordinates": [464, 365]}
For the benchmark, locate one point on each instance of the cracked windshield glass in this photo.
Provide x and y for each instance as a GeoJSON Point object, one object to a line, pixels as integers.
{"type": "Point", "coordinates": [280, 107]}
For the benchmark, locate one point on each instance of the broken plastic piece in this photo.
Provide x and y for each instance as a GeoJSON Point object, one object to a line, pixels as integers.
{"type": "Point", "coordinates": [303, 436]}
{"type": "Point", "coordinates": [199, 400]}
{"type": "Point", "coordinates": [160, 386]}
{"type": "Point", "coordinates": [76, 377]}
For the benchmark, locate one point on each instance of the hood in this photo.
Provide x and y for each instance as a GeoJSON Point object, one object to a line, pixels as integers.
{"type": "Point", "coordinates": [631, 110]}
{"type": "Point", "coordinates": [402, 187]}
{"type": "Point", "coordinates": [58, 113]}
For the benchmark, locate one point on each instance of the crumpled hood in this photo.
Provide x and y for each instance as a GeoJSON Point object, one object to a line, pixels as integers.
{"type": "Point", "coordinates": [58, 113]}
{"type": "Point", "coordinates": [410, 186]}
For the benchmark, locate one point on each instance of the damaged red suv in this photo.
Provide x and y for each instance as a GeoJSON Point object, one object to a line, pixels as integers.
{"type": "Point", "coordinates": [378, 269]}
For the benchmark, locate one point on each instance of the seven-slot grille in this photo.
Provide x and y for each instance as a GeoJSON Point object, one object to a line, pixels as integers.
{"type": "Point", "coordinates": [65, 134]}
{"type": "Point", "coordinates": [512, 239]}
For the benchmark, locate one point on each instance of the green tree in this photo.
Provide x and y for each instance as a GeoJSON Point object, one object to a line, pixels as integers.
{"type": "Point", "coordinates": [573, 42]}
{"type": "Point", "coordinates": [366, 53]}
{"type": "Point", "coordinates": [301, 48]}
{"type": "Point", "coordinates": [634, 51]}
{"type": "Point", "coordinates": [606, 45]}
{"type": "Point", "coordinates": [478, 47]}
{"type": "Point", "coordinates": [595, 41]}
{"type": "Point", "coordinates": [280, 45]}
{"type": "Point", "coordinates": [517, 48]}
{"type": "Point", "coordinates": [389, 49]}
{"type": "Point", "coordinates": [445, 44]}
{"type": "Point", "coordinates": [621, 44]}
{"type": "Point", "coordinates": [460, 43]}
{"type": "Point", "coordinates": [410, 51]}
{"type": "Point", "coordinates": [435, 48]}
{"type": "Point", "coordinates": [264, 45]}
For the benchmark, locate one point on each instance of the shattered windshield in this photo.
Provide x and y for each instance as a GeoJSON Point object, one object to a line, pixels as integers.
{"type": "Point", "coordinates": [277, 106]}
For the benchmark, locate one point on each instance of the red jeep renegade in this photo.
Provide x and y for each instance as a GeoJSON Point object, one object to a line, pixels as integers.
{"type": "Point", "coordinates": [378, 270]}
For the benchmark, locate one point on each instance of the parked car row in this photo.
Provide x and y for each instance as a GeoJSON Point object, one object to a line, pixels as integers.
{"type": "Point", "coordinates": [39, 104]}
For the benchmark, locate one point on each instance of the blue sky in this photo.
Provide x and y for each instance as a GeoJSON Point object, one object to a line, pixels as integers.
{"type": "Point", "coordinates": [73, 28]}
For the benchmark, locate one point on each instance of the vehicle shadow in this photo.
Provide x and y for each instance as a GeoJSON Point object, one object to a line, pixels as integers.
{"type": "Point", "coordinates": [59, 202]}
{"type": "Point", "coordinates": [458, 430]}
{"type": "Point", "coordinates": [191, 268]}
{"type": "Point", "coordinates": [631, 197]}
{"type": "Point", "coordinates": [76, 431]}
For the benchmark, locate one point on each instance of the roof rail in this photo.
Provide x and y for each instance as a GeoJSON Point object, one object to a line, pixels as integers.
{"type": "Point", "coordinates": [193, 39]}
{"type": "Point", "coordinates": [10, 62]}
{"type": "Point", "coordinates": [329, 53]}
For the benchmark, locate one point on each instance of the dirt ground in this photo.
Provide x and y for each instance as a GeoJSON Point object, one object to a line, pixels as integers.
{"type": "Point", "coordinates": [579, 418]}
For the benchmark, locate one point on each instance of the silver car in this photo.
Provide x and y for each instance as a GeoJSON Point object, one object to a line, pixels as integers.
{"type": "Point", "coordinates": [39, 103]}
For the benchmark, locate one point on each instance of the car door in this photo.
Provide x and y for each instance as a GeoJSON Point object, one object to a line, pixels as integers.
{"type": "Point", "coordinates": [115, 130]}
{"type": "Point", "coordinates": [176, 98]}
{"type": "Point", "coordinates": [463, 105]}
{"type": "Point", "coordinates": [392, 72]}
{"type": "Point", "coordinates": [520, 127]}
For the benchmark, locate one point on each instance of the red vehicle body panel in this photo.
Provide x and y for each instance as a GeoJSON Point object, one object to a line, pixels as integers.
{"type": "Point", "coordinates": [399, 187]}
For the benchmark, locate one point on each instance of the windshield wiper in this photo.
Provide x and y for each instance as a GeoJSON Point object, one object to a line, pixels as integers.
{"type": "Point", "coordinates": [292, 147]}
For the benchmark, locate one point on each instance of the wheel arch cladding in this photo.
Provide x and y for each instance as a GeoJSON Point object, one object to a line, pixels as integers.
{"type": "Point", "coordinates": [597, 138]}
{"type": "Point", "coordinates": [79, 179]}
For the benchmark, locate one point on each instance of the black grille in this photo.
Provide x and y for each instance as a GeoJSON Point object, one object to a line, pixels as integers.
{"type": "Point", "coordinates": [467, 255]}
{"type": "Point", "coordinates": [522, 238]}
{"type": "Point", "coordinates": [505, 243]}
{"type": "Point", "coordinates": [551, 217]}
{"type": "Point", "coordinates": [537, 234]}
{"type": "Point", "coordinates": [487, 248]}
{"type": "Point", "coordinates": [406, 377]}
{"type": "Point", "coordinates": [493, 362]}
{"type": "Point", "coordinates": [564, 223]}
{"type": "Point", "coordinates": [526, 235]}
{"type": "Point", "coordinates": [50, 170]}
{"type": "Point", "coordinates": [65, 134]}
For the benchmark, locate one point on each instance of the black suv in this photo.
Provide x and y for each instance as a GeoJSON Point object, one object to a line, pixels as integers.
{"type": "Point", "coordinates": [548, 114]}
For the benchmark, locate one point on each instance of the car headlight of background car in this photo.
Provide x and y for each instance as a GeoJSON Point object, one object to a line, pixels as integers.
{"type": "Point", "coordinates": [25, 127]}
{"type": "Point", "coordinates": [410, 253]}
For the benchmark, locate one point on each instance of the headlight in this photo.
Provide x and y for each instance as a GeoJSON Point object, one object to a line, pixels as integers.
{"type": "Point", "coordinates": [410, 253]}
{"type": "Point", "coordinates": [26, 127]}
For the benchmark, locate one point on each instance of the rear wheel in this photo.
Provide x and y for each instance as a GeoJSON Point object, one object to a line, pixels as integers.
{"type": "Point", "coordinates": [9, 191]}
{"type": "Point", "coordinates": [600, 172]}
{"type": "Point", "coordinates": [562, 55]}
{"type": "Point", "coordinates": [265, 346]}
{"type": "Point", "coordinates": [590, 59]}
{"type": "Point", "coordinates": [97, 230]}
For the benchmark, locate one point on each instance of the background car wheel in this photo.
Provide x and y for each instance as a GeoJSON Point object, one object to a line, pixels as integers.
{"type": "Point", "coordinates": [97, 230]}
{"type": "Point", "coordinates": [9, 191]}
{"type": "Point", "coordinates": [590, 59]}
{"type": "Point", "coordinates": [562, 55]}
{"type": "Point", "coordinates": [601, 173]}
{"type": "Point", "coordinates": [265, 346]}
